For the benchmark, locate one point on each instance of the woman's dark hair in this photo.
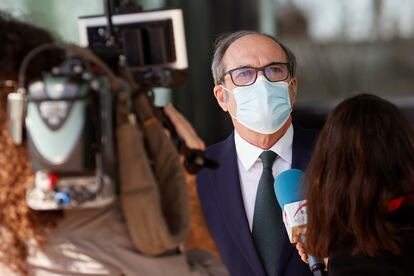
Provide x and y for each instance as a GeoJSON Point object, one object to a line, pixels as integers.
{"type": "Point", "coordinates": [17, 39]}
{"type": "Point", "coordinates": [364, 158]}
{"type": "Point", "coordinates": [18, 223]}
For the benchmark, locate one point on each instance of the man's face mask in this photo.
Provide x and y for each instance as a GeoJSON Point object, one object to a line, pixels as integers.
{"type": "Point", "coordinates": [264, 106]}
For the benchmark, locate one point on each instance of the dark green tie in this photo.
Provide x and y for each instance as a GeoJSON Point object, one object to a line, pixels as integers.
{"type": "Point", "coordinates": [267, 216]}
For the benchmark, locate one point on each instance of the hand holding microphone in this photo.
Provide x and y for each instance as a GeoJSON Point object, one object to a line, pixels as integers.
{"type": "Point", "coordinates": [300, 247]}
{"type": "Point", "coordinates": [288, 189]}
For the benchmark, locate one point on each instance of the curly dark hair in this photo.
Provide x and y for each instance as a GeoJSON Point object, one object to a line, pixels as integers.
{"type": "Point", "coordinates": [18, 223]}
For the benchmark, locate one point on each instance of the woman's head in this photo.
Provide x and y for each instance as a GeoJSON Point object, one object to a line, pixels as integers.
{"type": "Point", "coordinates": [17, 222]}
{"type": "Point", "coordinates": [364, 158]}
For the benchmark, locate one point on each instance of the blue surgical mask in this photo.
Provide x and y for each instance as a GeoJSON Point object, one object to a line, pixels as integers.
{"type": "Point", "coordinates": [264, 106]}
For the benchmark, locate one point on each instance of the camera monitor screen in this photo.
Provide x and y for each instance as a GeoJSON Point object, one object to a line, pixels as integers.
{"type": "Point", "coordinates": [151, 38]}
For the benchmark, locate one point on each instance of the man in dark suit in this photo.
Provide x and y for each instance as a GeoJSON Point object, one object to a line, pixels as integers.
{"type": "Point", "coordinates": [255, 83]}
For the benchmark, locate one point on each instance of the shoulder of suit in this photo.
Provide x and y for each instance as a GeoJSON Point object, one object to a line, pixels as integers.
{"type": "Point", "coordinates": [215, 149]}
{"type": "Point", "coordinates": [308, 136]}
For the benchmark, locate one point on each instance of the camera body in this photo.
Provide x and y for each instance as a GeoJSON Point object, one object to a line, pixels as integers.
{"type": "Point", "coordinates": [69, 126]}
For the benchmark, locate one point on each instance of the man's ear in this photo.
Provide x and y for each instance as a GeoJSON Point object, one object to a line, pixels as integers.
{"type": "Point", "coordinates": [221, 97]}
{"type": "Point", "coordinates": [293, 90]}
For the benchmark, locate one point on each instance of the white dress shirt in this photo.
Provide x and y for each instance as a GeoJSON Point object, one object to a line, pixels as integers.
{"type": "Point", "coordinates": [250, 166]}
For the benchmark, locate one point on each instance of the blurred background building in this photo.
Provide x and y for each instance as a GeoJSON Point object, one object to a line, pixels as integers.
{"type": "Point", "coordinates": [342, 47]}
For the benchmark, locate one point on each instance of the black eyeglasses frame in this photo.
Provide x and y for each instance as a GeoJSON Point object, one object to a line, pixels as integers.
{"type": "Point", "coordinates": [257, 69]}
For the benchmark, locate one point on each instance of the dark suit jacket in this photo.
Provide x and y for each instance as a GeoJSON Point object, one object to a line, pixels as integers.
{"type": "Point", "coordinates": [222, 204]}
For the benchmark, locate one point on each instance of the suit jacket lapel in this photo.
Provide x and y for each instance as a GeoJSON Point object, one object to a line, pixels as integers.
{"type": "Point", "coordinates": [228, 195]}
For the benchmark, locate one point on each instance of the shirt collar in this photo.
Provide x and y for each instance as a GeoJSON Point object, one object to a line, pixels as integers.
{"type": "Point", "coordinates": [248, 153]}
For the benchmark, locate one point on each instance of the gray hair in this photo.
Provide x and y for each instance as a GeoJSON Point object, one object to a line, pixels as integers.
{"type": "Point", "coordinates": [224, 41]}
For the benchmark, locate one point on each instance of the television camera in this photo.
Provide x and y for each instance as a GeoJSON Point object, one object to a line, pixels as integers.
{"type": "Point", "coordinates": [70, 114]}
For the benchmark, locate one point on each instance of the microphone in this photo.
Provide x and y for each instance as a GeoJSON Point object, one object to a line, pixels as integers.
{"type": "Point", "coordinates": [289, 194]}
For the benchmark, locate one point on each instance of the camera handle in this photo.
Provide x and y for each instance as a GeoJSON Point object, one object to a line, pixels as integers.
{"type": "Point", "coordinates": [112, 7]}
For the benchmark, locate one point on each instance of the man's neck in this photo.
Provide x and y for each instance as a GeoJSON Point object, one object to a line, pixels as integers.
{"type": "Point", "coordinates": [263, 141]}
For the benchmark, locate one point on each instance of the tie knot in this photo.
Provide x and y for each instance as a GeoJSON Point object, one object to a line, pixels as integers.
{"type": "Point", "coordinates": [268, 157]}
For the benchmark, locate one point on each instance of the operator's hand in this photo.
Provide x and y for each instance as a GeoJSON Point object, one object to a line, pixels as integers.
{"type": "Point", "coordinates": [184, 128]}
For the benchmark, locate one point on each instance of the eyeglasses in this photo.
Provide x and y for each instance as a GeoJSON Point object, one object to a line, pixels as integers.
{"type": "Point", "coordinates": [244, 76]}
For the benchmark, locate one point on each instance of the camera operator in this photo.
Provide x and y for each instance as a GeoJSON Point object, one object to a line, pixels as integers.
{"type": "Point", "coordinates": [91, 241]}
